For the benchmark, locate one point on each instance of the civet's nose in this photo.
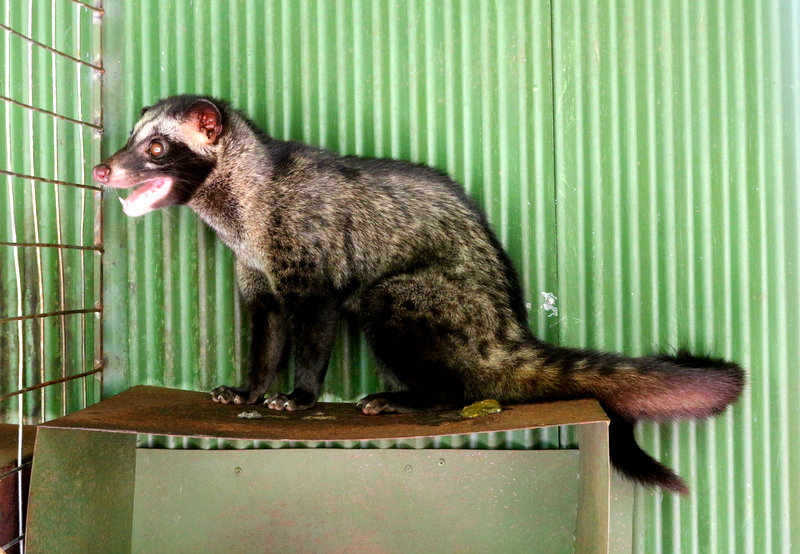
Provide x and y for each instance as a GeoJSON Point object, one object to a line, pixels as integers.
{"type": "Point", "coordinates": [101, 173]}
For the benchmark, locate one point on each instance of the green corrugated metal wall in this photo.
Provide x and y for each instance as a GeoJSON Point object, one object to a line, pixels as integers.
{"type": "Point", "coordinates": [637, 158]}
{"type": "Point", "coordinates": [676, 162]}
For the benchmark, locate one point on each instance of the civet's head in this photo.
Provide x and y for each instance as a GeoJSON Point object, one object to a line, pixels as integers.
{"type": "Point", "coordinates": [169, 154]}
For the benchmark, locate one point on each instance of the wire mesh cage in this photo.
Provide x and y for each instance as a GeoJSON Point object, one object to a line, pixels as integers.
{"type": "Point", "coordinates": [50, 230]}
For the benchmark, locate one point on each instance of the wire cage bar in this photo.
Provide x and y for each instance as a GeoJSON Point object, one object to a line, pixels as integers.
{"type": "Point", "coordinates": [51, 242]}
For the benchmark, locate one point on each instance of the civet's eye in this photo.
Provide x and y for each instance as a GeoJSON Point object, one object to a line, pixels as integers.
{"type": "Point", "coordinates": [157, 149]}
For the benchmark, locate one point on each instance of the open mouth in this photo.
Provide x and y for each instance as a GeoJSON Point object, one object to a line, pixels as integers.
{"type": "Point", "coordinates": [147, 197]}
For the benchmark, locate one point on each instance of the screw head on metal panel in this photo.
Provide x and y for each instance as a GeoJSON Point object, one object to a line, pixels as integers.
{"type": "Point", "coordinates": [408, 469]}
{"type": "Point", "coordinates": [237, 471]}
{"type": "Point", "coordinates": [441, 461]}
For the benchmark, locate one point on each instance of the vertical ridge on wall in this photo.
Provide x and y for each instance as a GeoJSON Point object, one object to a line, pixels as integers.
{"type": "Point", "coordinates": [414, 80]}
{"type": "Point", "coordinates": [674, 123]}
{"type": "Point", "coordinates": [790, 34]}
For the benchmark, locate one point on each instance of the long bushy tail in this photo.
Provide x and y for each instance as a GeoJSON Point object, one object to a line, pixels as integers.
{"type": "Point", "coordinates": [708, 386]}
{"type": "Point", "coordinates": [657, 388]}
{"type": "Point", "coordinates": [690, 387]}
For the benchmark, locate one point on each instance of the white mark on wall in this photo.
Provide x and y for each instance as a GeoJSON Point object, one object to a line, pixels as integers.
{"type": "Point", "coordinates": [550, 304]}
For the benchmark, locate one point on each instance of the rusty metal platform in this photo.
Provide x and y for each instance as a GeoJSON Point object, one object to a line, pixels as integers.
{"type": "Point", "coordinates": [160, 411]}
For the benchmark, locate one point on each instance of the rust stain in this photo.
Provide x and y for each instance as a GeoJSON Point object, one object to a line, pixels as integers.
{"type": "Point", "coordinates": [9, 434]}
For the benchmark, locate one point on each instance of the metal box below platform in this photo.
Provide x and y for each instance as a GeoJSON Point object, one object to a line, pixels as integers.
{"type": "Point", "coordinates": [94, 490]}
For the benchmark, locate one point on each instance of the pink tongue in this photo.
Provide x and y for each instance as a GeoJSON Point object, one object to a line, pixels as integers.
{"type": "Point", "coordinates": [143, 199]}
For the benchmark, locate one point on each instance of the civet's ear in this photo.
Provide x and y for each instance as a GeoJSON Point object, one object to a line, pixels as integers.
{"type": "Point", "coordinates": [204, 122]}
